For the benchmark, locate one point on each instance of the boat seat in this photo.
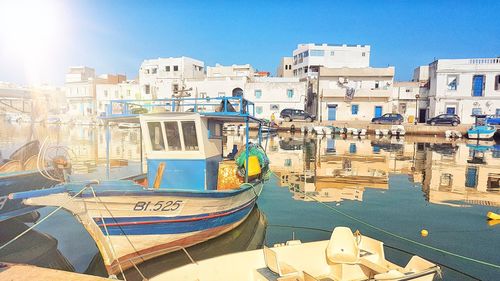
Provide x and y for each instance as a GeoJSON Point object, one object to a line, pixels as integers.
{"type": "Point", "coordinates": [342, 247]}
{"type": "Point", "coordinates": [281, 268]}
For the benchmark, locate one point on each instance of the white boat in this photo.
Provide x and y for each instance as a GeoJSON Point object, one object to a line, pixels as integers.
{"type": "Point", "coordinates": [346, 256]}
{"type": "Point", "coordinates": [453, 134]}
{"type": "Point", "coordinates": [398, 130]}
{"type": "Point", "coordinates": [191, 195]}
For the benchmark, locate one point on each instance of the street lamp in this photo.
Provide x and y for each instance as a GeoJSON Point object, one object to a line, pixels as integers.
{"type": "Point", "coordinates": [417, 96]}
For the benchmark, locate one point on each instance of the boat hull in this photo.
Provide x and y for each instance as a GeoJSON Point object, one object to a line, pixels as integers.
{"type": "Point", "coordinates": [19, 182]}
{"type": "Point", "coordinates": [131, 224]}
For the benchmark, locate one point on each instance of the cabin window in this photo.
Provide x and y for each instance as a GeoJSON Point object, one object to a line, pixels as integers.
{"type": "Point", "coordinates": [156, 136]}
{"type": "Point", "coordinates": [189, 135]}
{"type": "Point", "coordinates": [215, 130]}
{"type": "Point", "coordinates": [173, 137]}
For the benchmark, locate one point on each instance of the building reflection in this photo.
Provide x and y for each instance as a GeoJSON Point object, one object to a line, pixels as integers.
{"type": "Point", "coordinates": [333, 169]}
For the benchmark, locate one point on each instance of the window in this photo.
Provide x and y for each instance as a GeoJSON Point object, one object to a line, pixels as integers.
{"type": "Point", "coordinates": [354, 109]}
{"type": "Point", "coordinates": [154, 70]}
{"type": "Point", "coordinates": [176, 68]}
{"type": "Point", "coordinates": [377, 84]}
{"type": "Point", "coordinates": [288, 162]}
{"type": "Point", "coordinates": [156, 136]}
{"type": "Point", "coordinates": [106, 93]}
{"type": "Point", "coordinates": [173, 138]}
{"type": "Point", "coordinates": [476, 111]}
{"type": "Point", "coordinates": [258, 94]}
{"type": "Point", "coordinates": [305, 54]}
{"type": "Point", "coordinates": [332, 53]}
{"type": "Point", "coordinates": [497, 112]}
{"type": "Point", "coordinates": [215, 130]}
{"type": "Point", "coordinates": [147, 89]}
{"type": "Point", "coordinates": [274, 107]}
{"type": "Point", "coordinates": [175, 88]}
{"type": "Point", "coordinates": [221, 94]}
{"type": "Point", "coordinates": [317, 53]}
{"type": "Point", "coordinates": [471, 176]}
{"type": "Point", "coordinates": [363, 54]}
{"type": "Point", "coordinates": [497, 83]}
{"type": "Point", "coordinates": [167, 68]}
{"type": "Point", "coordinates": [189, 135]}
{"type": "Point", "coordinates": [408, 90]}
{"type": "Point", "coordinates": [258, 109]}
{"type": "Point", "coordinates": [289, 93]}
{"type": "Point", "coordinates": [352, 148]}
{"type": "Point", "coordinates": [446, 180]}
{"type": "Point", "coordinates": [477, 85]}
{"type": "Point", "coordinates": [452, 82]}
{"type": "Point", "coordinates": [128, 93]}
{"type": "Point", "coordinates": [147, 71]}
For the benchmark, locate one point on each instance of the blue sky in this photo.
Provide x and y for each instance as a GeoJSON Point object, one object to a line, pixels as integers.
{"type": "Point", "coordinates": [115, 36]}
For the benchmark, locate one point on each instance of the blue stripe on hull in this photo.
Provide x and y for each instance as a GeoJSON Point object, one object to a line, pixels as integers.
{"type": "Point", "coordinates": [178, 227]}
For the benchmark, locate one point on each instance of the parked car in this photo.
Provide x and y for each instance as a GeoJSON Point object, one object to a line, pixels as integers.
{"type": "Point", "coordinates": [388, 118]}
{"type": "Point", "coordinates": [289, 114]}
{"type": "Point", "coordinates": [447, 119]}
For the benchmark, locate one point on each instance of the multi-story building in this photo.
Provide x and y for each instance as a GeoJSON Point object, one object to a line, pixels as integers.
{"type": "Point", "coordinates": [347, 94]}
{"type": "Point", "coordinates": [160, 78]}
{"type": "Point", "coordinates": [308, 58]}
{"type": "Point", "coordinates": [122, 90]}
{"type": "Point", "coordinates": [285, 67]}
{"type": "Point", "coordinates": [411, 100]}
{"type": "Point", "coordinates": [80, 91]}
{"type": "Point", "coordinates": [273, 94]}
{"type": "Point", "coordinates": [464, 87]}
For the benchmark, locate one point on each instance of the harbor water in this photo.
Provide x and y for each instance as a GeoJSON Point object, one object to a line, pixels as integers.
{"type": "Point", "coordinates": [389, 189]}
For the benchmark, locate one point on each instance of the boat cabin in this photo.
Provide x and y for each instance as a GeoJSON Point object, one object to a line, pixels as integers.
{"type": "Point", "coordinates": [183, 150]}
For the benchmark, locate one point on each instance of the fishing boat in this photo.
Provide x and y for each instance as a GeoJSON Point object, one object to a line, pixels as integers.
{"type": "Point", "coordinates": [346, 256]}
{"type": "Point", "coordinates": [481, 130]}
{"type": "Point", "coordinates": [19, 172]}
{"type": "Point", "coordinates": [191, 193]}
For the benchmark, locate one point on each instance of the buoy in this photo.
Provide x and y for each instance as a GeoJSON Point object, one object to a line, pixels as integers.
{"type": "Point", "coordinates": [424, 233]}
{"type": "Point", "coordinates": [493, 216]}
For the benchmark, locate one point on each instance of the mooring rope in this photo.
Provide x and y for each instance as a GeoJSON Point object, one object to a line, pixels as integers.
{"type": "Point", "coordinates": [399, 236]}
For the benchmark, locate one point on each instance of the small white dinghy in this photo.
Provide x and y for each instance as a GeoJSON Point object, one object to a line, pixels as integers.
{"type": "Point", "coordinates": [346, 256]}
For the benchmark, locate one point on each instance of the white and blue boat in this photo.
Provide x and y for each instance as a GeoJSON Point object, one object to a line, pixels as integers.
{"type": "Point", "coordinates": [191, 194]}
{"type": "Point", "coordinates": [481, 130]}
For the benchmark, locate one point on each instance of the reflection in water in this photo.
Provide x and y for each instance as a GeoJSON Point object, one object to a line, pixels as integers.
{"type": "Point", "coordinates": [335, 169]}
{"type": "Point", "coordinates": [33, 248]}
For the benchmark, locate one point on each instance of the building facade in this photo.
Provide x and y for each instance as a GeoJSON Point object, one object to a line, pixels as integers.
{"type": "Point", "coordinates": [464, 87]}
{"type": "Point", "coordinates": [160, 78]}
{"type": "Point", "coordinates": [285, 67]}
{"type": "Point", "coordinates": [308, 58]}
{"type": "Point", "coordinates": [411, 100]}
{"type": "Point", "coordinates": [243, 70]}
{"type": "Point", "coordinates": [124, 90]}
{"type": "Point", "coordinates": [351, 94]}
{"type": "Point", "coordinates": [80, 91]}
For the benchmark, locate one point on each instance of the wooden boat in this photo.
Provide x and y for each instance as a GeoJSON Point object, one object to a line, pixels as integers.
{"type": "Point", "coordinates": [20, 173]}
{"type": "Point", "coordinates": [346, 256]}
{"type": "Point", "coordinates": [192, 193]}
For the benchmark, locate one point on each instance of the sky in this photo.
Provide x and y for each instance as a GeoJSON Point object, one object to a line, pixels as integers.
{"type": "Point", "coordinates": [40, 39]}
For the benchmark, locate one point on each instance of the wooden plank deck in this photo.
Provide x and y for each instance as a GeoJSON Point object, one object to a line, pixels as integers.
{"type": "Point", "coordinates": [18, 272]}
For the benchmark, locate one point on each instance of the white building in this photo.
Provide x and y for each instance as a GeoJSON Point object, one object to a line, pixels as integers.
{"type": "Point", "coordinates": [285, 67]}
{"type": "Point", "coordinates": [243, 70]}
{"type": "Point", "coordinates": [348, 94]}
{"type": "Point", "coordinates": [405, 97]}
{"type": "Point", "coordinates": [160, 78]}
{"type": "Point", "coordinates": [464, 87]}
{"type": "Point", "coordinates": [308, 58]}
{"type": "Point", "coordinates": [124, 90]}
{"type": "Point", "coordinates": [273, 94]}
{"type": "Point", "coordinates": [80, 91]}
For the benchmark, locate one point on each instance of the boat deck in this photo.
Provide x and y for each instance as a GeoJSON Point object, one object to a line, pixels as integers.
{"type": "Point", "coordinates": [30, 272]}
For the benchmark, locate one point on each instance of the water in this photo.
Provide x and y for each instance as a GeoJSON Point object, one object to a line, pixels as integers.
{"type": "Point", "coordinates": [401, 186]}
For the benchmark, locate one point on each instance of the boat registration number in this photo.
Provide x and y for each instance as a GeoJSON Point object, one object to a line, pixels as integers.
{"type": "Point", "coordinates": [159, 206]}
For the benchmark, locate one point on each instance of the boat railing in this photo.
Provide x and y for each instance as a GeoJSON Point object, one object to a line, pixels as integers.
{"type": "Point", "coordinates": [218, 106]}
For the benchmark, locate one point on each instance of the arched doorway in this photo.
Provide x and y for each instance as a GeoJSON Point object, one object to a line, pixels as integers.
{"type": "Point", "coordinates": [237, 92]}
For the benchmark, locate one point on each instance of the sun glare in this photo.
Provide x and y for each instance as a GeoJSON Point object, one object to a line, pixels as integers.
{"type": "Point", "coordinates": [30, 32]}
